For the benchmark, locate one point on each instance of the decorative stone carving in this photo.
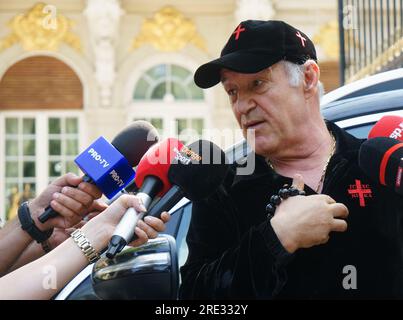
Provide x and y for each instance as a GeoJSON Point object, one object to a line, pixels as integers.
{"type": "Point", "coordinates": [103, 18]}
{"type": "Point", "coordinates": [169, 30]}
{"type": "Point", "coordinates": [41, 28]}
{"type": "Point", "coordinates": [327, 38]}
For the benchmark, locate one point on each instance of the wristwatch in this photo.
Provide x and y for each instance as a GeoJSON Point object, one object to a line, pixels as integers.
{"type": "Point", "coordinates": [28, 224]}
{"type": "Point", "coordinates": [84, 244]}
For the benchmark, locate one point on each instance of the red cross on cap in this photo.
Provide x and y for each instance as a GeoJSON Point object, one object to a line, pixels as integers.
{"type": "Point", "coordinates": [238, 31]}
{"type": "Point", "coordinates": [298, 34]}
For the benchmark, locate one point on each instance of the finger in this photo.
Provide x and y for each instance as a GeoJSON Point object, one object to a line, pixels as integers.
{"type": "Point", "coordinates": [74, 206]}
{"type": "Point", "coordinates": [324, 197]}
{"type": "Point", "coordinates": [165, 216]}
{"type": "Point", "coordinates": [141, 237]}
{"type": "Point", "coordinates": [298, 182]}
{"type": "Point", "coordinates": [151, 233]}
{"type": "Point", "coordinates": [79, 196]}
{"type": "Point", "coordinates": [66, 213]}
{"type": "Point", "coordinates": [339, 210]}
{"type": "Point", "coordinates": [98, 205]}
{"type": "Point", "coordinates": [69, 179]}
{"type": "Point", "coordinates": [339, 225]}
{"type": "Point", "coordinates": [90, 189]}
{"type": "Point", "coordinates": [155, 223]}
{"type": "Point", "coordinates": [129, 201]}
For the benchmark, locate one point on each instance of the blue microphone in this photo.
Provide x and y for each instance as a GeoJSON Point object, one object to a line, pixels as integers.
{"type": "Point", "coordinates": [104, 166]}
{"type": "Point", "coordinates": [107, 168]}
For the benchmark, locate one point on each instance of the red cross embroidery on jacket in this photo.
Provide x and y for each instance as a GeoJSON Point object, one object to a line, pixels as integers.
{"type": "Point", "coordinates": [361, 191]}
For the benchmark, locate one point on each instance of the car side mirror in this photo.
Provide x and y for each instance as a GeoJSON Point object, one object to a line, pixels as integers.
{"type": "Point", "coordinates": [147, 272]}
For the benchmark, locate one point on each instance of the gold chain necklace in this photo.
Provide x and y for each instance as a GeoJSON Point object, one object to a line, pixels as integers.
{"type": "Point", "coordinates": [322, 178]}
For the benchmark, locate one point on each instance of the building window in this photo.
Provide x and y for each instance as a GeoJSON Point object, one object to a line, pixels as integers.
{"type": "Point", "coordinates": [156, 122]}
{"type": "Point", "coordinates": [189, 130]}
{"type": "Point", "coordinates": [63, 146]}
{"type": "Point", "coordinates": [37, 149]}
{"type": "Point", "coordinates": [167, 82]}
{"type": "Point", "coordinates": [167, 97]}
{"type": "Point", "coordinates": [20, 162]}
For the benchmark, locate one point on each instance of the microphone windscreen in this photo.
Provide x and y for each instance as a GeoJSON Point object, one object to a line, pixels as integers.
{"type": "Point", "coordinates": [199, 169]}
{"type": "Point", "coordinates": [134, 141]}
{"type": "Point", "coordinates": [388, 126]}
{"type": "Point", "coordinates": [380, 158]}
{"type": "Point", "coordinates": [156, 162]}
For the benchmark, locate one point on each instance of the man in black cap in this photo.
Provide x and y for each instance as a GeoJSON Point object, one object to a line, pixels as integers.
{"type": "Point", "coordinates": [257, 237]}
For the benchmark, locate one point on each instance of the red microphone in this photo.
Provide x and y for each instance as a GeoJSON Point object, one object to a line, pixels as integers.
{"type": "Point", "coordinates": [388, 126]}
{"type": "Point", "coordinates": [157, 161]}
{"type": "Point", "coordinates": [152, 178]}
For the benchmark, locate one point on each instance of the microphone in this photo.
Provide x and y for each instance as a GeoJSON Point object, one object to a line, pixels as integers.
{"type": "Point", "coordinates": [388, 126]}
{"type": "Point", "coordinates": [107, 168]}
{"type": "Point", "coordinates": [152, 176]}
{"type": "Point", "coordinates": [130, 144]}
{"type": "Point", "coordinates": [198, 171]}
{"type": "Point", "coordinates": [382, 160]}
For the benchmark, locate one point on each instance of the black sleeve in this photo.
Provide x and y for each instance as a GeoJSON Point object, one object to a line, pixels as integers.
{"type": "Point", "coordinates": [225, 265]}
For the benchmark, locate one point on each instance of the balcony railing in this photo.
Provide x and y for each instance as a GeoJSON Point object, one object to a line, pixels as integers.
{"type": "Point", "coordinates": [371, 37]}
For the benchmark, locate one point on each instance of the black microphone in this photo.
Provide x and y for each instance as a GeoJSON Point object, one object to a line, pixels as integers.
{"type": "Point", "coordinates": [132, 142]}
{"type": "Point", "coordinates": [197, 172]}
{"type": "Point", "coordinates": [382, 160]}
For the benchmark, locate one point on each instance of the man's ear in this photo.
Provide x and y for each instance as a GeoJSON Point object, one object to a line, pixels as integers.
{"type": "Point", "coordinates": [311, 78]}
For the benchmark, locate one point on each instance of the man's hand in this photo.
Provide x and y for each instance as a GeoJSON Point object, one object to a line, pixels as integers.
{"type": "Point", "coordinates": [70, 197]}
{"type": "Point", "coordinates": [306, 221]}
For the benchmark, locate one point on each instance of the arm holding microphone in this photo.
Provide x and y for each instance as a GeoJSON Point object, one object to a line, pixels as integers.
{"type": "Point", "coordinates": [68, 259]}
{"type": "Point", "coordinates": [19, 248]}
{"type": "Point", "coordinates": [72, 203]}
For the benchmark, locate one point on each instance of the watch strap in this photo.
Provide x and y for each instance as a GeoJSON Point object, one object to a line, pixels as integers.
{"type": "Point", "coordinates": [84, 244]}
{"type": "Point", "coordinates": [28, 224]}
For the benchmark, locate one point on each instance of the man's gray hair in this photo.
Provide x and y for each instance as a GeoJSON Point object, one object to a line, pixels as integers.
{"type": "Point", "coordinates": [295, 73]}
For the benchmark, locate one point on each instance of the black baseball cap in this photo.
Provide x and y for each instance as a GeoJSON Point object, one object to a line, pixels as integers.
{"type": "Point", "coordinates": [255, 45]}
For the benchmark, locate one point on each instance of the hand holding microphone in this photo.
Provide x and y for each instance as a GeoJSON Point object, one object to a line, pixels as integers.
{"type": "Point", "coordinates": [72, 198]}
{"type": "Point", "coordinates": [109, 166]}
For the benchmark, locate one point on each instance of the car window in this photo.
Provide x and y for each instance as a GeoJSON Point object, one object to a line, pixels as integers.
{"type": "Point", "coordinates": [360, 131]}
{"type": "Point", "coordinates": [174, 222]}
{"type": "Point", "coordinates": [181, 244]}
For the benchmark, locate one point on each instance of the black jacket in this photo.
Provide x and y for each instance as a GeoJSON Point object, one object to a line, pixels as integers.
{"type": "Point", "coordinates": [234, 252]}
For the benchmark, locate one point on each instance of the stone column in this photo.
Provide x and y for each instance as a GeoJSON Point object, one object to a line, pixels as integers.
{"type": "Point", "coordinates": [103, 18]}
